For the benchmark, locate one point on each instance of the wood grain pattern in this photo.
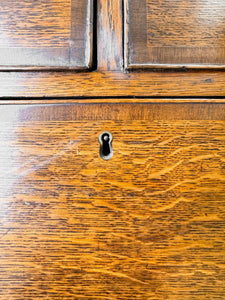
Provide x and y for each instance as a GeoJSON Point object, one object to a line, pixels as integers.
{"type": "Point", "coordinates": [112, 84]}
{"type": "Point", "coordinates": [110, 35]}
{"type": "Point", "coordinates": [45, 34]}
{"type": "Point", "coordinates": [175, 33]}
{"type": "Point", "coordinates": [133, 101]}
{"type": "Point", "coordinates": [109, 80]}
{"type": "Point", "coordinates": [147, 224]}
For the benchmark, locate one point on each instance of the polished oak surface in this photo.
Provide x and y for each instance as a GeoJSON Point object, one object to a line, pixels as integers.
{"type": "Point", "coordinates": [109, 35]}
{"type": "Point", "coordinates": [175, 33]}
{"type": "Point", "coordinates": [147, 224]}
{"type": "Point", "coordinates": [110, 79]}
{"type": "Point", "coordinates": [45, 34]}
{"type": "Point", "coordinates": [113, 84]}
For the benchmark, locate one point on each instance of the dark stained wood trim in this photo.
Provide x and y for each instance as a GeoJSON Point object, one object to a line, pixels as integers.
{"type": "Point", "coordinates": [89, 33]}
{"type": "Point", "coordinates": [140, 26]}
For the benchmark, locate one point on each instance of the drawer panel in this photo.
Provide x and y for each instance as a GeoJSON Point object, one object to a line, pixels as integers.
{"type": "Point", "coordinates": [45, 34]}
{"type": "Point", "coordinates": [146, 224]}
{"type": "Point", "coordinates": [175, 33]}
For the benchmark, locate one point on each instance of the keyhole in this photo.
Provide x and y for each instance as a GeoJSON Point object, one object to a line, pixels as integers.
{"type": "Point", "coordinates": [105, 140]}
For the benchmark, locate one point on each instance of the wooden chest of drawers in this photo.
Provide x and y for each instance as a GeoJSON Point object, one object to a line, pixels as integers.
{"type": "Point", "coordinates": [149, 222]}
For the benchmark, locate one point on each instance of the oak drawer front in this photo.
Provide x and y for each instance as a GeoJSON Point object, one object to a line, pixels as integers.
{"type": "Point", "coordinates": [146, 224]}
{"type": "Point", "coordinates": [175, 33]}
{"type": "Point", "coordinates": [45, 34]}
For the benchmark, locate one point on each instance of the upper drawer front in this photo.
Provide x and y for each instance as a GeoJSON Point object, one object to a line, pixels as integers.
{"type": "Point", "coordinates": [175, 33]}
{"type": "Point", "coordinates": [45, 34]}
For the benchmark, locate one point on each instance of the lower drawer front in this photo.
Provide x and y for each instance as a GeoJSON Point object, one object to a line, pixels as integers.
{"type": "Point", "coordinates": [146, 224]}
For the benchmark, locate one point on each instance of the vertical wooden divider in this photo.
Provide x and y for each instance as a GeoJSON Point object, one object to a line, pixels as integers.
{"type": "Point", "coordinates": [110, 35]}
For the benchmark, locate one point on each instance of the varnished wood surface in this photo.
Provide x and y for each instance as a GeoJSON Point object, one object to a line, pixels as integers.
{"type": "Point", "coordinates": [112, 84]}
{"type": "Point", "coordinates": [175, 33]}
{"type": "Point", "coordinates": [45, 34]}
{"type": "Point", "coordinates": [110, 35]}
{"type": "Point", "coordinates": [147, 224]}
{"type": "Point", "coordinates": [112, 101]}
{"type": "Point", "coordinates": [109, 79]}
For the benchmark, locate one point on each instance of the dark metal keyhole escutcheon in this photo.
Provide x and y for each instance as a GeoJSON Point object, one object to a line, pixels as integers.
{"type": "Point", "coordinates": [105, 140]}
